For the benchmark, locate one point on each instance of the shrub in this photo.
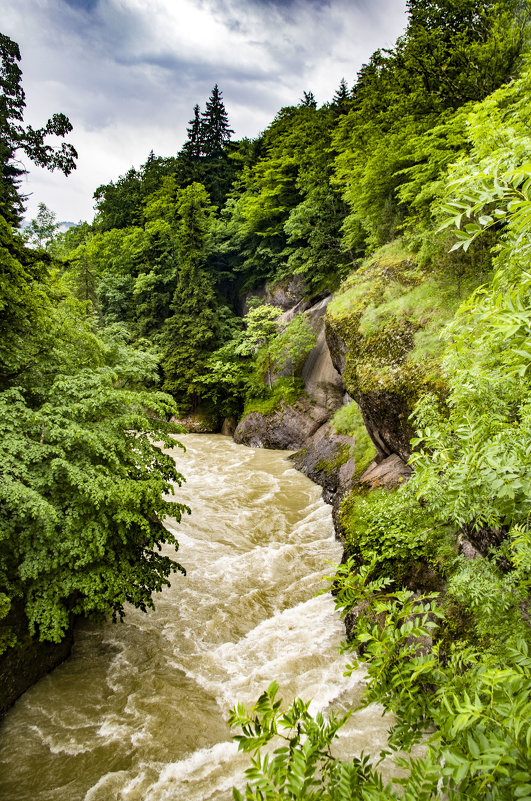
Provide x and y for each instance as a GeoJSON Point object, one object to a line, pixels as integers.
{"type": "Point", "coordinates": [397, 533]}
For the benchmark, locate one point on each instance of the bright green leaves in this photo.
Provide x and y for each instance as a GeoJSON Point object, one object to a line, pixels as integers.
{"type": "Point", "coordinates": [82, 500]}
{"type": "Point", "coordinates": [485, 734]}
{"type": "Point", "coordinates": [302, 765]}
{"type": "Point", "coordinates": [82, 480]}
{"type": "Point", "coordinates": [291, 346]}
{"type": "Point", "coordinates": [394, 533]}
{"type": "Point", "coordinates": [405, 126]}
{"type": "Point", "coordinates": [503, 195]}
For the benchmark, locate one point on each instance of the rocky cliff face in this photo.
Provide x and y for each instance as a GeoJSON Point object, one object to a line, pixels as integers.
{"type": "Point", "coordinates": [377, 340]}
{"type": "Point", "coordinates": [382, 333]}
{"type": "Point", "coordinates": [288, 428]}
{"type": "Point", "coordinates": [322, 379]}
{"type": "Point", "coordinates": [292, 426]}
{"type": "Point", "coordinates": [327, 459]}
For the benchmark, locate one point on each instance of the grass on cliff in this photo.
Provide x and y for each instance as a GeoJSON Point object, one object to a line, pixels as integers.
{"type": "Point", "coordinates": [348, 420]}
{"type": "Point", "coordinates": [391, 288]}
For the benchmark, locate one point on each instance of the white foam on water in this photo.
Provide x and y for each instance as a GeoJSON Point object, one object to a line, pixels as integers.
{"type": "Point", "coordinates": [60, 742]}
{"type": "Point", "coordinates": [297, 647]}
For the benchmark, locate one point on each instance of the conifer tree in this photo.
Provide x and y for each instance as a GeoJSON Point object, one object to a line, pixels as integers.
{"type": "Point", "coordinates": [14, 135]}
{"type": "Point", "coordinates": [194, 146]}
{"type": "Point", "coordinates": [215, 123]}
{"type": "Point", "coordinates": [191, 333]}
{"type": "Point", "coordinates": [341, 99]}
{"type": "Point", "coordinates": [308, 99]}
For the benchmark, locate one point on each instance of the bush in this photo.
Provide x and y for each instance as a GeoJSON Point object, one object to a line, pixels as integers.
{"type": "Point", "coordinates": [285, 390]}
{"type": "Point", "coordinates": [399, 535]}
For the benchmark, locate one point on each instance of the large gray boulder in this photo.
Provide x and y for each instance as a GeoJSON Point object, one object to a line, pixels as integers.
{"type": "Point", "coordinates": [287, 428]}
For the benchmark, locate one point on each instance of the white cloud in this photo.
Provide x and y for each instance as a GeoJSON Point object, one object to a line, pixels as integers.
{"type": "Point", "coordinates": [128, 72]}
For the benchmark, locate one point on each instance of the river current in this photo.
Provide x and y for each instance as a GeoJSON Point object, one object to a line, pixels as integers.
{"type": "Point", "coordinates": [138, 712]}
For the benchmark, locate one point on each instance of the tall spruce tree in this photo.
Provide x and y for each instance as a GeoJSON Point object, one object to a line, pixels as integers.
{"type": "Point", "coordinates": [342, 98]}
{"type": "Point", "coordinates": [191, 333]}
{"type": "Point", "coordinates": [194, 146]}
{"type": "Point", "coordinates": [308, 99]}
{"type": "Point", "coordinates": [216, 132]}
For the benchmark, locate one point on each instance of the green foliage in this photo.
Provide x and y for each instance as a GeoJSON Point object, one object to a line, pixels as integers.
{"type": "Point", "coordinates": [215, 131]}
{"type": "Point", "coordinates": [83, 474]}
{"type": "Point", "coordinates": [472, 465]}
{"type": "Point", "coordinates": [40, 232]}
{"type": "Point", "coordinates": [266, 401]}
{"type": "Point", "coordinates": [395, 534]}
{"type": "Point", "coordinates": [15, 136]}
{"type": "Point", "coordinates": [82, 480]}
{"type": "Point", "coordinates": [260, 328]}
{"type": "Point", "coordinates": [284, 216]}
{"type": "Point", "coordinates": [291, 346]}
{"type": "Point", "coordinates": [454, 671]}
{"type": "Point", "coordinates": [260, 331]}
{"type": "Point", "coordinates": [82, 500]}
{"type": "Point", "coordinates": [451, 54]}
{"type": "Point", "coordinates": [302, 764]}
{"type": "Point", "coordinates": [120, 204]}
{"type": "Point", "coordinates": [191, 333]}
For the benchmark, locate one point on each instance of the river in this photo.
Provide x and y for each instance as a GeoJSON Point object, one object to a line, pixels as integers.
{"type": "Point", "coordinates": [138, 712]}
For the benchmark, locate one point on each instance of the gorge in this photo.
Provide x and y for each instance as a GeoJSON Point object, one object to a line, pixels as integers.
{"type": "Point", "coordinates": [140, 709]}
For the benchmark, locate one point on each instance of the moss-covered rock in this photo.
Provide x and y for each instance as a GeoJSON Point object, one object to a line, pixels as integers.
{"type": "Point", "coordinates": [327, 460]}
{"type": "Point", "coordinates": [382, 329]}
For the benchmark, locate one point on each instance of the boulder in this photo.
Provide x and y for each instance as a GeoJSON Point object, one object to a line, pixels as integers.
{"type": "Point", "coordinates": [199, 422]}
{"type": "Point", "coordinates": [327, 460]}
{"type": "Point", "coordinates": [388, 473]}
{"type": "Point", "coordinates": [287, 428]}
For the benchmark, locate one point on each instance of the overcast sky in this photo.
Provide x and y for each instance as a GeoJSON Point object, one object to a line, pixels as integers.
{"type": "Point", "coordinates": [128, 72]}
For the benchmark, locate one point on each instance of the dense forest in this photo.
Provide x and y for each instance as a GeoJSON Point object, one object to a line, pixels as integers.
{"type": "Point", "coordinates": [408, 196]}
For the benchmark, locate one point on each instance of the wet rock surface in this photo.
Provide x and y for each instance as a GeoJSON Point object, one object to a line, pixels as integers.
{"type": "Point", "coordinates": [327, 460]}
{"type": "Point", "coordinates": [288, 428]}
{"type": "Point", "coordinates": [28, 661]}
{"type": "Point", "coordinates": [387, 473]}
{"type": "Point", "coordinates": [322, 381]}
{"type": "Point", "coordinates": [199, 422]}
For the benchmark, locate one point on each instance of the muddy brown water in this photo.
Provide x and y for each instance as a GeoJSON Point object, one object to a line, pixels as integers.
{"type": "Point", "coordinates": [138, 713]}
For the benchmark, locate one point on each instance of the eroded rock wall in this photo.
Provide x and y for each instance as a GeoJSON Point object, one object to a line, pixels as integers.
{"type": "Point", "coordinates": [28, 661]}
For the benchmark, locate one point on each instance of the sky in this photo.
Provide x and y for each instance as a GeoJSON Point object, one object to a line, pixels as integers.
{"type": "Point", "coordinates": [129, 72]}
